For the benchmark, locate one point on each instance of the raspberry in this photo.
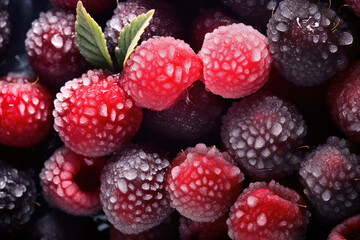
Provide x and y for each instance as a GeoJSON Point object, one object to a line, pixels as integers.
{"type": "Point", "coordinates": [349, 229]}
{"type": "Point", "coordinates": [94, 116]}
{"type": "Point", "coordinates": [72, 182]}
{"type": "Point", "coordinates": [263, 131]}
{"type": "Point", "coordinates": [94, 7]}
{"type": "Point", "coordinates": [206, 22]}
{"type": "Point", "coordinates": [17, 193]}
{"type": "Point", "coordinates": [328, 175]}
{"type": "Point", "coordinates": [343, 102]}
{"type": "Point", "coordinates": [308, 42]}
{"type": "Point", "coordinates": [25, 111]}
{"type": "Point", "coordinates": [159, 70]}
{"type": "Point", "coordinates": [236, 61]}
{"type": "Point", "coordinates": [52, 48]}
{"type": "Point", "coordinates": [268, 211]}
{"type": "Point", "coordinates": [190, 230]}
{"type": "Point", "coordinates": [203, 183]}
{"type": "Point", "coordinates": [194, 118]}
{"type": "Point", "coordinates": [133, 192]}
{"type": "Point", "coordinates": [4, 26]}
{"type": "Point", "coordinates": [354, 5]}
{"type": "Point", "coordinates": [164, 23]}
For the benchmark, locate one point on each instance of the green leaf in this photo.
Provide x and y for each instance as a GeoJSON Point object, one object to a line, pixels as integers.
{"type": "Point", "coordinates": [91, 40]}
{"type": "Point", "coordinates": [130, 36]}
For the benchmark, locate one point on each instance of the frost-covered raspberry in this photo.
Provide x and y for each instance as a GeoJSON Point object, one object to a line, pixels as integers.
{"type": "Point", "coordinates": [348, 229]}
{"type": "Point", "coordinates": [343, 100]}
{"type": "Point", "coordinates": [308, 42]}
{"type": "Point", "coordinates": [72, 182]}
{"type": "Point", "coordinates": [268, 211]}
{"type": "Point", "coordinates": [95, 7]}
{"type": "Point", "coordinates": [236, 60]}
{"type": "Point", "coordinates": [94, 116]}
{"type": "Point", "coordinates": [165, 21]}
{"type": "Point", "coordinates": [203, 183]}
{"type": "Point", "coordinates": [159, 70]}
{"type": "Point", "coordinates": [133, 192]}
{"type": "Point", "coordinates": [264, 131]}
{"type": "Point", "coordinates": [52, 48]}
{"type": "Point", "coordinates": [328, 175]}
{"type": "Point", "coordinates": [17, 194]}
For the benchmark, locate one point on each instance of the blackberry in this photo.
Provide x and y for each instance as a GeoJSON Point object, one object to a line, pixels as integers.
{"type": "Point", "coordinates": [4, 25]}
{"type": "Point", "coordinates": [263, 132]}
{"type": "Point", "coordinates": [194, 118]}
{"type": "Point", "coordinates": [309, 43]}
{"type": "Point", "coordinates": [132, 190]}
{"type": "Point", "coordinates": [17, 193]}
{"type": "Point", "coordinates": [164, 23]}
{"type": "Point", "coordinates": [328, 175]}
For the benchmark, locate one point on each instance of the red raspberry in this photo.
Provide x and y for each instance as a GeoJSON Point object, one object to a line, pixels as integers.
{"type": "Point", "coordinates": [349, 229]}
{"type": "Point", "coordinates": [95, 7]}
{"type": "Point", "coordinates": [52, 48]}
{"type": "Point", "coordinates": [133, 192]}
{"type": "Point", "coordinates": [72, 182]}
{"type": "Point", "coordinates": [206, 22]}
{"type": "Point", "coordinates": [268, 211]}
{"type": "Point", "coordinates": [236, 60]}
{"type": "Point", "coordinates": [25, 111]}
{"type": "Point", "coordinates": [203, 183]}
{"type": "Point", "coordinates": [159, 70]}
{"type": "Point", "coordinates": [94, 116]}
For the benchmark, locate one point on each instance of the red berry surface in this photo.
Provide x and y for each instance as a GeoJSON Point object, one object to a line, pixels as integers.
{"type": "Point", "coordinates": [236, 60]}
{"type": "Point", "coordinates": [159, 70]}
{"type": "Point", "coordinates": [133, 192]}
{"type": "Point", "coordinates": [95, 7]}
{"type": "Point", "coordinates": [25, 111]}
{"type": "Point", "coordinates": [268, 211]}
{"type": "Point", "coordinates": [52, 48]}
{"type": "Point", "coordinates": [354, 5]}
{"type": "Point", "coordinates": [94, 116]}
{"type": "Point", "coordinates": [71, 182]}
{"type": "Point", "coordinates": [347, 230]}
{"type": "Point", "coordinates": [203, 183]}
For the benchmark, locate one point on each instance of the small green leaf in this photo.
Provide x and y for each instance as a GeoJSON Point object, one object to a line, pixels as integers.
{"type": "Point", "coordinates": [130, 36]}
{"type": "Point", "coordinates": [91, 40]}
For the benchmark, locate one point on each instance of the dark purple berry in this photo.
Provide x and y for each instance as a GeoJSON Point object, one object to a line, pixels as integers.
{"type": "Point", "coordinates": [328, 175]}
{"type": "Point", "coordinates": [4, 25]}
{"type": "Point", "coordinates": [263, 132]}
{"type": "Point", "coordinates": [309, 43]}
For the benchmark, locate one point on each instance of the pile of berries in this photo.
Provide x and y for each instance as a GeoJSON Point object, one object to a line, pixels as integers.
{"type": "Point", "coordinates": [228, 120]}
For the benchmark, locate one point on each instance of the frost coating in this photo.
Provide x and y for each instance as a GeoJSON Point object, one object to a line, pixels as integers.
{"type": "Point", "coordinates": [264, 131]}
{"type": "Point", "coordinates": [304, 43]}
{"type": "Point", "coordinates": [236, 61]}
{"type": "Point", "coordinates": [328, 176]}
{"type": "Point", "coordinates": [4, 25]}
{"type": "Point", "coordinates": [203, 183]}
{"type": "Point", "coordinates": [144, 204]}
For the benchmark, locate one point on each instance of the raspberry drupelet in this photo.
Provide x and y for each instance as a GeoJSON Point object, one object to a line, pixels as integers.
{"type": "Point", "coordinates": [236, 61]}
{"type": "Point", "coordinates": [94, 116]}
{"type": "Point", "coordinates": [264, 132]}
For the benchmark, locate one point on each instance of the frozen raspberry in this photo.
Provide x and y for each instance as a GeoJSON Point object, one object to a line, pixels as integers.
{"type": "Point", "coordinates": [4, 25]}
{"type": "Point", "coordinates": [94, 116]}
{"type": "Point", "coordinates": [268, 211]}
{"type": "Point", "coordinates": [206, 22]}
{"type": "Point", "coordinates": [203, 183]}
{"type": "Point", "coordinates": [236, 61]}
{"type": "Point", "coordinates": [343, 101]}
{"type": "Point", "coordinates": [159, 70]}
{"type": "Point", "coordinates": [349, 229]}
{"type": "Point", "coordinates": [354, 5]}
{"type": "Point", "coordinates": [133, 190]}
{"type": "Point", "coordinates": [52, 48]}
{"type": "Point", "coordinates": [309, 43]}
{"type": "Point", "coordinates": [164, 23]}
{"type": "Point", "coordinates": [190, 230]}
{"type": "Point", "coordinates": [17, 193]}
{"type": "Point", "coordinates": [194, 118]}
{"type": "Point", "coordinates": [94, 7]}
{"type": "Point", "coordinates": [25, 111]}
{"type": "Point", "coordinates": [328, 175]}
{"type": "Point", "coordinates": [264, 132]}
{"type": "Point", "coordinates": [72, 182]}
